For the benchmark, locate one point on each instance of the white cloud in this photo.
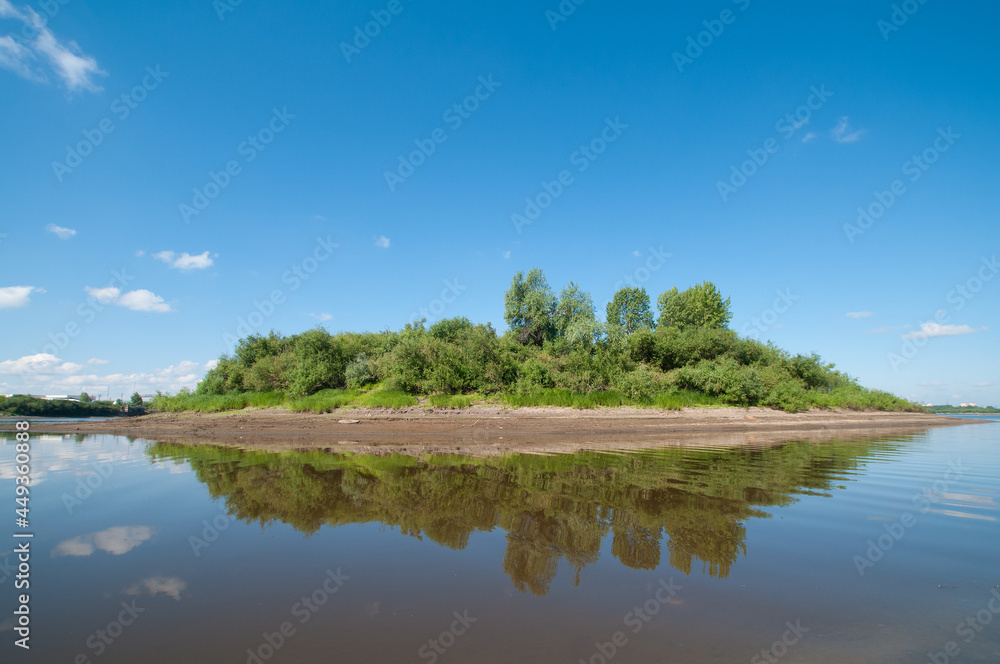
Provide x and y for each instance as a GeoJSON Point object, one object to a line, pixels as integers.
{"type": "Point", "coordinates": [985, 384]}
{"type": "Point", "coordinates": [38, 47]}
{"type": "Point", "coordinates": [211, 364]}
{"type": "Point", "coordinates": [637, 253]}
{"type": "Point", "coordinates": [189, 262]}
{"type": "Point", "coordinates": [103, 295]}
{"type": "Point", "coordinates": [928, 330]}
{"type": "Point", "coordinates": [137, 300]}
{"type": "Point", "coordinates": [808, 137]}
{"type": "Point", "coordinates": [140, 253]}
{"type": "Point", "coordinates": [931, 383]}
{"type": "Point", "coordinates": [506, 255]}
{"type": "Point", "coordinates": [322, 317]}
{"type": "Point", "coordinates": [47, 374]}
{"type": "Point", "coordinates": [143, 300]}
{"type": "Point", "coordinates": [62, 233]}
{"type": "Point", "coordinates": [860, 314]}
{"type": "Point", "coordinates": [185, 261]}
{"type": "Point", "coordinates": [17, 296]}
{"type": "Point", "coordinates": [843, 133]}
{"type": "Point", "coordinates": [95, 360]}
{"type": "Point", "coordinates": [40, 364]}
{"type": "Point", "coordinates": [382, 242]}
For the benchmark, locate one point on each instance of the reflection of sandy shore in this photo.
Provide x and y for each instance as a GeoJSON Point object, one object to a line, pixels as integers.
{"type": "Point", "coordinates": [495, 430]}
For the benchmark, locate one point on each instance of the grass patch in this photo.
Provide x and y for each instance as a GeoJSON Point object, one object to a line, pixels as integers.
{"type": "Point", "coordinates": [386, 398]}
{"type": "Point", "coordinates": [216, 403]}
{"type": "Point", "coordinates": [323, 401]}
{"type": "Point", "coordinates": [564, 399]}
{"type": "Point", "coordinates": [453, 400]}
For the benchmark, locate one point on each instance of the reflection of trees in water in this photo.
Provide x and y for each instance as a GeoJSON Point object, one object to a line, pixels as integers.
{"type": "Point", "coordinates": [552, 508]}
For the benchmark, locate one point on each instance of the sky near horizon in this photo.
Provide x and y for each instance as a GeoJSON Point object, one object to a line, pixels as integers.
{"type": "Point", "coordinates": [178, 175]}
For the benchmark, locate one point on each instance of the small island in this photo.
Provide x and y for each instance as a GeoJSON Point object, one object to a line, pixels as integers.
{"type": "Point", "coordinates": [557, 374]}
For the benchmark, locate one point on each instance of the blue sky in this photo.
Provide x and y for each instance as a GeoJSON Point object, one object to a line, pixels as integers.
{"type": "Point", "coordinates": [169, 171]}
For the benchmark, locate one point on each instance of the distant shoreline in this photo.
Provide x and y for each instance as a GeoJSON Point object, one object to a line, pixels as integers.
{"type": "Point", "coordinates": [499, 430]}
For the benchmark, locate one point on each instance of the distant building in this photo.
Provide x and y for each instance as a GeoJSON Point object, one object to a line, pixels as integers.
{"type": "Point", "coordinates": [972, 404]}
{"type": "Point", "coordinates": [964, 405]}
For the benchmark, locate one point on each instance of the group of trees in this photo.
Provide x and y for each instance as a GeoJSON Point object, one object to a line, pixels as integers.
{"type": "Point", "coordinates": [553, 342]}
{"type": "Point", "coordinates": [536, 315]}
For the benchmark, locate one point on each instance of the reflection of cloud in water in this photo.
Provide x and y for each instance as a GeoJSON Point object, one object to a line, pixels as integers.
{"type": "Point", "coordinates": [169, 586]}
{"type": "Point", "coordinates": [963, 515]}
{"type": "Point", "coordinates": [116, 541]}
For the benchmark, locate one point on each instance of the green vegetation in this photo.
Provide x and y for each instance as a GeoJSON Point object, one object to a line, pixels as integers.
{"type": "Point", "coordinates": [960, 410]}
{"type": "Point", "coordinates": [25, 406]}
{"type": "Point", "coordinates": [689, 505]}
{"type": "Point", "coordinates": [555, 352]}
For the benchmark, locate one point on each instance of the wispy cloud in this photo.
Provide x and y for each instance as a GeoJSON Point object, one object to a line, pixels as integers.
{"type": "Point", "coordinates": [322, 317]}
{"type": "Point", "coordinates": [137, 300]}
{"type": "Point", "coordinates": [808, 137]}
{"type": "Point", "coordinates": [985, 384]}
{"type": "Point", "coordinates": [185, 261]}
{"type": "Point", "coordinates": [60, 232]}
{"type": "Point", "coordinates": [505, 255]}
{"type": "Point", "coordinates": [844, 133]}
{"type": "Point", "coordinates": [928, 330]}
{"type": "Point", "coordinates": [382, 242]}
{"type": "Point", "coordinates": [17, 296]}
{"type": "Point", "coordinates": [860, 314]}
{"type": "Point", "coordinates": [103, 295]}
{"type": "Point", "coordinates": [888, 329]}
{"type": "Point", "coordinates": [42, 52]}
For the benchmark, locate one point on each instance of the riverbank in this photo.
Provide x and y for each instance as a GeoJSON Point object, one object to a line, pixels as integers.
{"type": "Point", "coordinates": [494, 430]}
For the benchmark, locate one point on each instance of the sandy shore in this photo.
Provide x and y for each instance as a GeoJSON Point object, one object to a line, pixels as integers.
{"type": "Point", "coordinates": [497, 430]}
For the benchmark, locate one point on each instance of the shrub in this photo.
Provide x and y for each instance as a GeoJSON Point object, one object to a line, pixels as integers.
{"type": "Point", "coordinates": [320, 362]}
{"type": "Point", "coordinates": [359, 372]}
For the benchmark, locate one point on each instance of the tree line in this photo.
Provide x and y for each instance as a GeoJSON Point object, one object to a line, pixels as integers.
{"type": "Point", "coordinates": [554, 350]}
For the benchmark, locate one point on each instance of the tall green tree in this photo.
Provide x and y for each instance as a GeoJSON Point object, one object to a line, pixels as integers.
{"type": "Point", "coordinates": [575, 317]}
{"type": "Point", "coordinates": [698, 306]}
{"type": "Point", "coordinates": [530, 308]}
{"type": "Point", "coordinates": [629, 310]}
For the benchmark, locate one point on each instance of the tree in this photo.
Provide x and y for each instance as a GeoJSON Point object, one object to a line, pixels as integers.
{"type": "Point", "coordinates": [85, 398]}
{"type": "Point", "coordinates": [136, 399]}
{"type": "Point", "coordinates": [698, 306]}
{"type": "Point", "coordinates": [529, 308]}
{"type": "Point", "coordinates": [575, 318]}
{"type": "Point", "coordinates": [629, 310]}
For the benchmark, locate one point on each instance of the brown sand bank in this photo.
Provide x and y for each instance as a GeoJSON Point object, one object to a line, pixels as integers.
{"type": "Point", "coordinates": [481, 430]}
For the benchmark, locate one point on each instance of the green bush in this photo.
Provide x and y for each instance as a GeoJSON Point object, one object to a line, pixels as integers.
{"type": "Point", "coordinates": [359, 372]}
